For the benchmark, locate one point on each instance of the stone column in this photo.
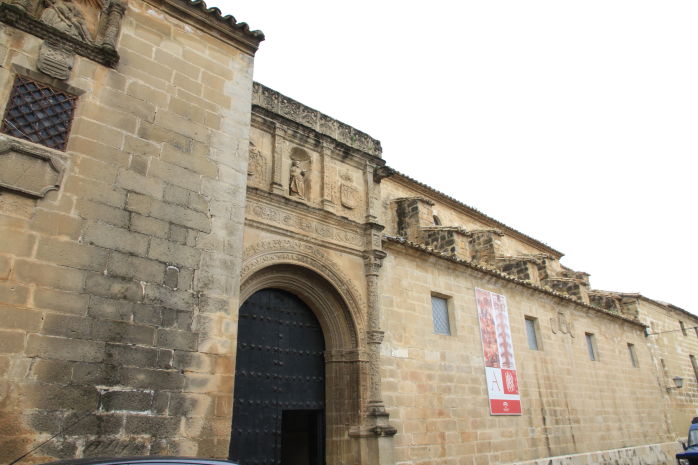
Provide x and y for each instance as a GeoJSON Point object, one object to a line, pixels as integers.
{"type": "Point", "coordinates": [374, 336]}
{"type": "Point", "coordinates": [378, 433]}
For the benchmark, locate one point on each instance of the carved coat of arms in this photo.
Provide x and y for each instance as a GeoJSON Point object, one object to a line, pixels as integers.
{"type": "Point", "coordinates": [349, 196]}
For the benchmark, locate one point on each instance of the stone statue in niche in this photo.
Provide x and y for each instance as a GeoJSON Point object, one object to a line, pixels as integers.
{"type": "Point", "coordinates": [296, 185]}
{"type": "Point", "coordinates": [67, 18]}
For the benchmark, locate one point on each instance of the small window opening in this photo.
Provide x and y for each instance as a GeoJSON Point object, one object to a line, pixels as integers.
{"type": "Point", "coordinates": [437, 221]}
{"type": "Point", "coordinates": [633, 355]}
{"type": "Point", "coordinates": [694, 364]}
{"type": "Point", "coordinates": [591, 346]}
{"type": "Point", "coordinates": [532, 332]}
{"type": "Point", "coordinates": [39, 113]}
{"type": "Point", "coordinates": [683, 328]}
{"type": "Point", "coordinates": [439, 312]}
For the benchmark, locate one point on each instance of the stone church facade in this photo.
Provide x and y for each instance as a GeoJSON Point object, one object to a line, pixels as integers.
{"type": "Point", "coordinates": [192, 263]}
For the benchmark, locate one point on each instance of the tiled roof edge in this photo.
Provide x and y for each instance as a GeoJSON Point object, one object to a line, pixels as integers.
{"type": "Point", "coordinates": [536, 243]}
{"type": "Point", "coordinates": [215, 12]}
{"type": "Point", "coordinates": [504, 276]}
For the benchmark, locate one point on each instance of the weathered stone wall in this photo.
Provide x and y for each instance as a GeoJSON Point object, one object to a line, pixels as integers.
{"type": "Point", "coordinates": [119, 290]}
{"type": "Point", "coordinates": [672, 349]}
{"type": "Point", "coordinates": [434, 385]}
{"type": "Point", "coordinates": [652, 454]}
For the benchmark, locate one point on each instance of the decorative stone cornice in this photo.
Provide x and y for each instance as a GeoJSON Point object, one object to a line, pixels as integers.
{"type": "Point", "coordinates": [278, 103]}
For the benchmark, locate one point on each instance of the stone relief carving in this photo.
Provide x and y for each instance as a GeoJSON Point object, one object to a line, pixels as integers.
{"type": "Point", "coordinates": [272, 100]}
{"type": "Point", "coordinates": [68, 29]}
{"type": "Point", "coordinates": [296, 183]}
{"type": "Point", "coordinates": [67, 18]}
{"type": "Point", "coordinates": [348, 192]}
{"type": "Point", "coordinates": [112, 24]}
{"type": "Point", "coordinates": [295, 221]}
{"type": "Point", "coordinates": [289, 108]}
{"type": "Point", "coordinates": [55, 60]}
{"type": "Point", "coordinates": [266, 253]}
{"type": "Point", "coordinates": [561, 323]}
{"type": "Point", "coordinates": [257, 167]}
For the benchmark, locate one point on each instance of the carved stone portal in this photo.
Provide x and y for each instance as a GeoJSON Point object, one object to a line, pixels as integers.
{"type": "Point", "coordinates": [28, 169]}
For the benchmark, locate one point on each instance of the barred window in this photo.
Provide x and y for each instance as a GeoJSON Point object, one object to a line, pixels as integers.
{"type": "Point", "coordinates": [439, 311]}
{"type": "Point", "coordinates": [39, 113]}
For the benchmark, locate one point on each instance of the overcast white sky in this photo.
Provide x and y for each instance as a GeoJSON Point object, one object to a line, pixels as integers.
{"type": "Point", "coordinates": [573, 122]}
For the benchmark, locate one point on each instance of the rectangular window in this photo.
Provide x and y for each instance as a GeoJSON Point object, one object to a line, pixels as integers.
{"type": "Point", "coordinates": [439, 313]}
{"type": "Point", "coordinates": [695, 367]}
{"type": "Point", "coordinates": [532, 332]}
{"type": "Point", "coordinates": [683, 328]}
{"type": "Point", "coordinates": [591, 346]}
{"type": "Point", "coordinates": [633, 355]}
{"type": "Point", "coordinates": [39, 113]}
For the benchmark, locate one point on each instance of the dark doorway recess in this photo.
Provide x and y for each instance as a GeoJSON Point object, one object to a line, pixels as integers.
{"type": "Point", "coordinates": [279, 399]}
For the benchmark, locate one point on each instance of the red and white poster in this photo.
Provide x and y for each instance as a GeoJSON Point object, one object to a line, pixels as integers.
{"type": "Point", "coordinates": [498, 351]}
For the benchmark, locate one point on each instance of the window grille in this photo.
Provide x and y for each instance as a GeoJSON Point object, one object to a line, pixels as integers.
{"type": "Point", "coordinates": [39, 113]}
{"type": "Point", "coordinates": [439, 311]}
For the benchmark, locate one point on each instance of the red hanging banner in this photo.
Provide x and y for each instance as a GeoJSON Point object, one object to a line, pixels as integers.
{"type": "Point", "coordinates": [498, 352]}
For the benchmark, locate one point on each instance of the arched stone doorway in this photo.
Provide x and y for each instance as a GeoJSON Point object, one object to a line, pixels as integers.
{"type": "Point", "coordinates": [344, 364]}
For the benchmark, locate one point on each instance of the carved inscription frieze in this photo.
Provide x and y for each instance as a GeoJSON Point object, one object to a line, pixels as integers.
{"type": "Point", "coordinates": [298, 222]}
